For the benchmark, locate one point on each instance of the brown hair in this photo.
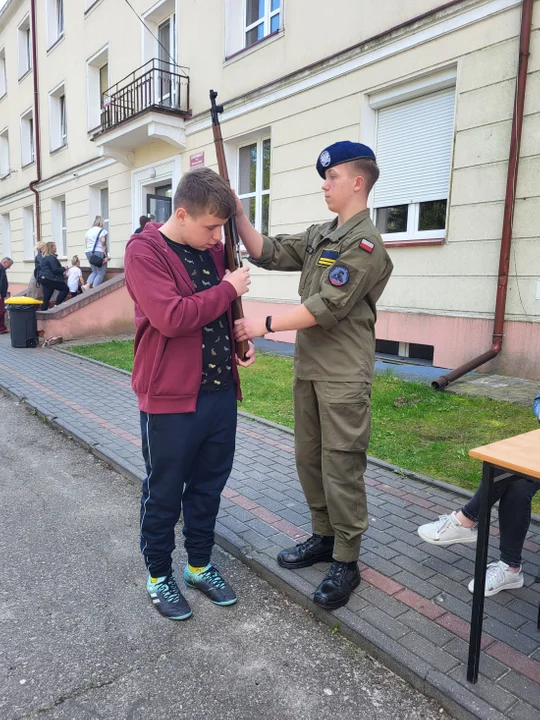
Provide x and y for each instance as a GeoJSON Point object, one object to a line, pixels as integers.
{"type": "Point", "coordinates": [143, 220]}
{"type": "Point", "coordinates": [204, 191]}
{"type": "Point", "coordinates": [48, 249]}
{"type": "Point", "coordinates": [368, 169]}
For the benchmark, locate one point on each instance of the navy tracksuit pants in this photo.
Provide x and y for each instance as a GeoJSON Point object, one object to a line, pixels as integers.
{"type": "Point", "coordinates": [188, 459]}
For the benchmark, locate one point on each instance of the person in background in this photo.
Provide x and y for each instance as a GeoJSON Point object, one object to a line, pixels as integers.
{"type": "Point", "coordinates": [74, 276]}
{"type": "Point", "coordinates": [5, 264]}
{"type": "Point", "coordinates": [142, 222]}
{"type": "Point", "coordinates": [34, 289]}
{"type": "Point", "coordinates": [51, 276]}
{"type": "Point", "coordinates": [96, 244]}
{"type": "Point", "coordinates": [151, 218]}
{"type": "Point", "coordinates": [515, 499]}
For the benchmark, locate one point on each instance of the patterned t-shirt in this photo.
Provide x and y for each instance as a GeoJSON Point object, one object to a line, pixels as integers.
{"type": "Point", "coordinates": [216, 346]}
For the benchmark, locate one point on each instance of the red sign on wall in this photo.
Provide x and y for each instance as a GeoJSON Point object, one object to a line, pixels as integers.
{"type": "Point", "coordinates": [196, 160]}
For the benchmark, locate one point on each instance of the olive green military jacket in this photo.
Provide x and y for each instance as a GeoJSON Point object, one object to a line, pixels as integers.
{"type": "Point", "coordinates": [343, 273]}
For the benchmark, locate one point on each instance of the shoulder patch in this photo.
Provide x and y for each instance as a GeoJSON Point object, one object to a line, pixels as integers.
{"type": "Point", "coordinates": [338, 276]}
{"type": "Point", "coordinates": [366, 245]}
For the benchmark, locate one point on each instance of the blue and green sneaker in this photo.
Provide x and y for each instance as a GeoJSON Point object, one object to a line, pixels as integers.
{"type": "Point", "coordinates": [167, 598]}
{"type": "Point", "coordinates": [211, 584]}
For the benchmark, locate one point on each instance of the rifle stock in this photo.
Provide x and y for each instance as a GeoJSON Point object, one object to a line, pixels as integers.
{"type": "Point", "coordinates": [232, 239]}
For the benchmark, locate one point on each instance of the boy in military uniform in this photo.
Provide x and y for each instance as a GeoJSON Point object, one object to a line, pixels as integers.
{"type": "Point", "coordinates": [344, 269]}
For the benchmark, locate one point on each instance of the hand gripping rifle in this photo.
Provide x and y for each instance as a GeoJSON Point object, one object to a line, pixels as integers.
{"type": "Point", "coordinates": [232, 239]}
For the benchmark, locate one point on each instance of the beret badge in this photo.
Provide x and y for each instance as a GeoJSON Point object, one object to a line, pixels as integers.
{"type": "Point", "coordinates": [325, 158]}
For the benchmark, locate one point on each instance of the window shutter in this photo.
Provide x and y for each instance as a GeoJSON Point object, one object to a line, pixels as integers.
{"type": "Point", "coordinates": [414, 146]}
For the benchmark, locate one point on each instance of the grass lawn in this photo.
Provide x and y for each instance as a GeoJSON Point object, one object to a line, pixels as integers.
{"type": "Point", "coordinates": [413, 426]}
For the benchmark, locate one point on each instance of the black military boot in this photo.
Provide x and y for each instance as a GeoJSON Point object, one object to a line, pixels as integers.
{"type": "Point", "coordinates": [336, 588]}
{"type": "Point", "coordinates": [317, 548]}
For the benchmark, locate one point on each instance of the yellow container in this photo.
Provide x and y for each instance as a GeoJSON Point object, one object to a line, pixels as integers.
{"type": "Point", "coordinates": [22, 300]}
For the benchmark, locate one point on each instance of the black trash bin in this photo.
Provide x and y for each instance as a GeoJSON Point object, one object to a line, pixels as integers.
{"type": "Point", "coordinates": [22, 321]}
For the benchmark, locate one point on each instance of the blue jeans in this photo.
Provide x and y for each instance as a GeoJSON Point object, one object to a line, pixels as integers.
{"type": "Point", "coordinates": [188, 459]}
{"type": "Point", "coordinates": [97, 275]}
{"type": "Point", "coordinates": [515, 499]}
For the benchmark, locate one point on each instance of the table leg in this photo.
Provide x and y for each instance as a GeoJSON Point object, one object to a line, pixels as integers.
{"type": "Point", "coordinates": [475, 638]}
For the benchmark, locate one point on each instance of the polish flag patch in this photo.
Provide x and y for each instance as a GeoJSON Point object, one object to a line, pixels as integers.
{"type": "Point", "coordinates": [366, 245]}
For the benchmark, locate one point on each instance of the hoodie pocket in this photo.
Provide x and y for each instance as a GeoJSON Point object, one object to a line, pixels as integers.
{"type": "Point", "coordinates": [178, 369]}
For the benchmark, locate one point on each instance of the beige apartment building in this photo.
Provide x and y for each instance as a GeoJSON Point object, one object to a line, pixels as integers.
{"type": "Point", "coordinates": [123, 111]}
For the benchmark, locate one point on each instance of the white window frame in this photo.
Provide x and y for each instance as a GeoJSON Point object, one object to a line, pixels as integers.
{"type": "Point", "coordinates": [266, 21]}
{"type": "Point", "coordinates": [58, 118]}
{"type": "Point", "coordinates": [6, 235]}
{"type": "Point", "coordinates": [259, 192]}
{"type": "Point", "coordinates": [28, 147]}
{"type": "Point", "coordinates": [5, 167]}
{"type": "Point", "coordinates": [55, 22]}
{"type": "Point", "coordinates": [156, 16]}
{"type": "Point", "coordinates": [59, 224]}
{"type": "Point", "coordinates": [29, 232]}
{"type": "Point", "coordinates": [95, 205]}
{"type": "Point", "coordinates": [24, 41]}
{"type": "Point", "coordinates": [3, 73]}
{"type": "Point", "coordinates": [93, 86]}
{"type": "Point", "coordinates": [394, 95]}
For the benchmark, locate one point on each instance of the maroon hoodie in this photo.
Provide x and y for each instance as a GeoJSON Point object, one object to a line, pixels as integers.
{"type": "Point", "coordinates": [170, 316]}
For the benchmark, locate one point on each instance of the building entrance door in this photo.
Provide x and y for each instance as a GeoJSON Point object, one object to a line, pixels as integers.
{"type": "Point", "coordinates": [159, 204]}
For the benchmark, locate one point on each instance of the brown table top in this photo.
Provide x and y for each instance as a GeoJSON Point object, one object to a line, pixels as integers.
{"type": "Point", "coordinates": [520, 453]}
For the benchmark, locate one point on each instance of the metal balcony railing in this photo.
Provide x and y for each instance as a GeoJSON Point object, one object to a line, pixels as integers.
{"type": "Point", "coordinates": [157, 85]}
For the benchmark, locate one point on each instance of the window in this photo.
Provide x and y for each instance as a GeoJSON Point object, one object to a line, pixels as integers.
{"type": "Point", "coordinates": [262, 18]}
{"type": "Point", "coordinates": [98, 203]}
{"type": "Point", "coordinates": [254, 182]}
{"type": "Point", "coordinates": [98, 82]}
{"type": "Point", "coordinates": [414, 147]}
{"type": "Point", "coordinates": [27, 138]}
{"type": "Point", "coordinates": [6, 236]}
{"type": "Point", "coordinates": [4, 154]}
{"type": "Point", "coordinates": [58, 223]}
{"type": "Point", "coordinates": [55, 21]}
{"type": "Point", "coordinates": [104, 206]}
{"type": "Point", "coordinates": [3, 76]}
{"type": "Point", "coordinates": [25, 48]}
{"type": "Point", "coordinates": [58, 118]}
{"type": "Point", "coordinates": [159, 34]}
{"type": "Point", "coordinates": [29, 230]}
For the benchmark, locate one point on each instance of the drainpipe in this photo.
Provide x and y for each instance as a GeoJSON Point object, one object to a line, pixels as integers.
{"type": "Point", "coordinates": [509, 204]}
{"type": "Point", "coordinates": [37, 132]}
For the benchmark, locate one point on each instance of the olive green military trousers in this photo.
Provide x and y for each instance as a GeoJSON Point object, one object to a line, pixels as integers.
{"type": "Point", "coordinates": [332, 423]}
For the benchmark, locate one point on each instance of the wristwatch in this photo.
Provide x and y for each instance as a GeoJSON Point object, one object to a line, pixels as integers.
{"type": "Point", "coordinates": [268, 323]}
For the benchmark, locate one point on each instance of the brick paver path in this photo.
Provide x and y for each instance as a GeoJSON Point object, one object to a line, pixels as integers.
{"type": "Point", "coordinates": [412, 609]}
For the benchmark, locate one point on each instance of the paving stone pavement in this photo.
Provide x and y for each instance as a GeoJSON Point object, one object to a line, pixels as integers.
{"type": "Point", "coordinates": [412, 609]}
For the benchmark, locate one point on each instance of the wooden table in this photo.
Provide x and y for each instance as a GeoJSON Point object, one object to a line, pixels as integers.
{"type": "Point", "coordinates": [520, 457]}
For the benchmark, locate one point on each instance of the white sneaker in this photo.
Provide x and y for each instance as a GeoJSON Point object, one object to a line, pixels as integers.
{"type": "Point", "coordinates": [447, 530]}
{"type": "Point", "coordinates": [500, 577]}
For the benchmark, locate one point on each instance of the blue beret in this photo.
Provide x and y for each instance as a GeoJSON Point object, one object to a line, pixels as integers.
{"type": "Point", "coordinates": [342, 152]}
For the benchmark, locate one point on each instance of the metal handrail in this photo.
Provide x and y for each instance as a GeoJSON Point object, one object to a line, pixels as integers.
{"type": "Point", "coordinates": [155, 85]}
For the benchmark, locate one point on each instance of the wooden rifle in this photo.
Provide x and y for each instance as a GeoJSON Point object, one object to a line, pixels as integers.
{"type": "Point", "coordinates": [232, 239]}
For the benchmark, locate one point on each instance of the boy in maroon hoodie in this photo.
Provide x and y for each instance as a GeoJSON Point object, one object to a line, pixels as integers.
{"type": "Point", "coordinates": [186, 381]}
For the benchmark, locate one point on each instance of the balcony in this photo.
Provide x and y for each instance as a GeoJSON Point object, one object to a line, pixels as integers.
{"type": "Point", "coordinates": [150, 104]}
